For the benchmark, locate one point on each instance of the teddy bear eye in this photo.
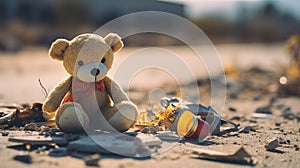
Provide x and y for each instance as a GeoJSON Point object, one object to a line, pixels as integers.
{"type": "Point", "coordinates": [80, 63]}
{"type": "Point", "coordinates": [103, 60]}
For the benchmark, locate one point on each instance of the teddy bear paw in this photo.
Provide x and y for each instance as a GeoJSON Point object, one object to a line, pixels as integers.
{"type": "Point", "coordinates": [125, 117]}
{"type": "Point", "coordinates": [72, 118]}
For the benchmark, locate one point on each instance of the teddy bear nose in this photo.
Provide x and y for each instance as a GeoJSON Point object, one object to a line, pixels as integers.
{"type": "Point", "coordinates": [95, 71]}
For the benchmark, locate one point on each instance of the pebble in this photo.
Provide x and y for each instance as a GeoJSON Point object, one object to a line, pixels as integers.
{"type": "Point", "coordinates": [281, 140]}
{"type": "Point", "coordinates": [238, 118]}
{"type": "Point", "coordinates": [58, 152]}
{"type": "Point", "coordinates": [149, 130]}
{"type": "Point", "coordinates": [272, 144]}
{"type": "Point", "coordinates": [92, 160]}
{"type": "Point", "coordinates": [277, 124]}
{"type": "Point", "coordinates": [30, 127]}
{"type": "Point", "coordinates": [264, 110]}
{"type": "Point", "coordinates": [296, 147]}
{"type": "Point", "coordinates": [253, 128]}
{"type": "Point", "coordinates": [232, 109]}
{"type": "Point", "coordinates": [23, 158]}
{"type": "Point", "coordinates": [245, 130]}
{"type": "Point", "coordinates": [256, 97]}
{"type": "Point", "coordinates": [4, 133]}
{"type": "Point", "coordinates": [168, 136]}
{"type": "Point", "coordinates": [253, 121]}
{"type": "Point", "coordinates": [288, 114]}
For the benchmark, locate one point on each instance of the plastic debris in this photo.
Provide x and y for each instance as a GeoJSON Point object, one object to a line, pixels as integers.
{"type": "Point", "coordinates": [181, 117]}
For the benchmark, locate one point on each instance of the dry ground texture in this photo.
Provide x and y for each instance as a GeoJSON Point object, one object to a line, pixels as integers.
{"type": "Point", "coordinates": [252, 85]}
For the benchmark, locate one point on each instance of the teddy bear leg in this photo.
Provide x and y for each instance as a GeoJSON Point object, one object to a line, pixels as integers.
{"type": "Point", "coordinates": [71, 118]}
{"type": "Point", "coordinates": [124, 117]}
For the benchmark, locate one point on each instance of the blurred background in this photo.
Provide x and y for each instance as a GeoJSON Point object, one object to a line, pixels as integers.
{"type": "Point", "coordinates": [245, 33]}
{"type": "Point", "coordinates": [30, 22]}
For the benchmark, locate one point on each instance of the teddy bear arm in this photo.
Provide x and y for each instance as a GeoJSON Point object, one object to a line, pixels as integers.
{"type": "Point", "coordinates": [56, 95]}
{"type": "Point", "coordinates": [115, 91]}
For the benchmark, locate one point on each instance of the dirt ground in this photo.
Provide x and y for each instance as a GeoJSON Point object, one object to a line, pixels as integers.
{"type": "Point", "coordinates": [252, 86]}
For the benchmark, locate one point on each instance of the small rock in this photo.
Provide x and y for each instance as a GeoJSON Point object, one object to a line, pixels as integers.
{"type": "Point", "coordinates": [150, 140]}
{"type": "Point", "coordinates": [24, 158]}
{"type": "Point", "coordinates": [5, 133]}
{"type": "Point", "coordinates": [252, 121]}
{"type": "Point", "coordinates": [58, 152]}
{"type": "Point", "coordinates": [256, 97]}
{"type": "Point", "coordinates": [288, 141]}
{"type": "Point", "coordinates": [168, 136]}
{"type": "Point", "coordinates": [288, 114]}
{"type": "Point", "coordinates": [281, 141]}
{"type": "Point", "coordinates": [272, 144]}
{"type": "Point", "coordinates": [296, 147]}
{"type": "Point", "coordinates": [92, 160]}
{"type": "Point", "coordinates": [253, 128]}
{"type": "Point", "coordinates": [264, 110]}
{"type": "Point", "coordinates": [31, 127]}
{"type": "Point", "coordinates": [277, 124]}
{"type": "Point", "coordinates": [232, 109]}
{"type": "Point", "coordinates": [149, 130]}
{"type": "Point", "coordinates": [238, 118]}
{"type": "Point", "coordinates": [245, 130]}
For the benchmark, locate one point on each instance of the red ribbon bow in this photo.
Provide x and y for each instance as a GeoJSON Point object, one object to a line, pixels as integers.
{"type": "Point", "coordinates": [86, 90]}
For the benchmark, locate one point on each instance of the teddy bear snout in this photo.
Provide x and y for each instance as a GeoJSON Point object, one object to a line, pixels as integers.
{"type": "Point", "coordinates": [95, 71]}
{"type": "Point", "coordinates": [92, 72]}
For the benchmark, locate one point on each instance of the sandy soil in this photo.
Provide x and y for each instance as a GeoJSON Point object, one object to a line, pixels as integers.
{"type": "Point", "coordinates": [19, 74]}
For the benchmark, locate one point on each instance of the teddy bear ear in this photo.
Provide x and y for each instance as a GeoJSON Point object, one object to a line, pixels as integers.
{"type": "Point", "coordinates": [114, 41]}
{"type": "Point", "coordinates": [58, 48]}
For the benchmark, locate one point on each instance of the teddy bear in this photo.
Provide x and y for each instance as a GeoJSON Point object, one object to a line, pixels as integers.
{"type": "Point", "coordinates": [88, 99]}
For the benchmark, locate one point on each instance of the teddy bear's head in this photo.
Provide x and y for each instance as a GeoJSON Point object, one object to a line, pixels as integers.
{"type": "Point", "coordinates": [87, 57]}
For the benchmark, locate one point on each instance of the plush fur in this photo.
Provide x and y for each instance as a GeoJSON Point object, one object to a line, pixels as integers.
{"type": "Point", "coordinates": [88, 58]}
